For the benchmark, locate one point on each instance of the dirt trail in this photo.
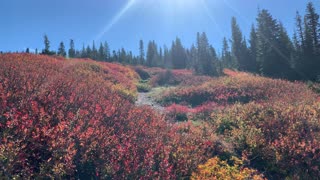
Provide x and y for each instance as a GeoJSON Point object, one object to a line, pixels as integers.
{"type": "Point", "coordinates": [145, 99]}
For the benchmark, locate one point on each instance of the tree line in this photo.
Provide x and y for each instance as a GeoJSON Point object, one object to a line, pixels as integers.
{"type": "Point", "coordinates": [268, 51]}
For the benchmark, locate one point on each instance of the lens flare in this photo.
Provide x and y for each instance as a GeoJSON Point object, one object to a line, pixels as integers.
{"type": "Point", "coordinates": [115, 19]}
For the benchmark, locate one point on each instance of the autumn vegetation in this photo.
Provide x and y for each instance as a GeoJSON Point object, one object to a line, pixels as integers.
{"type": "Point", "coordinates": [77, 119]}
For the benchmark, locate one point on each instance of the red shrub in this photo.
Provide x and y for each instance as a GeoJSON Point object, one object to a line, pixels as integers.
{"type": "Point", "coordinates": [76, 118]}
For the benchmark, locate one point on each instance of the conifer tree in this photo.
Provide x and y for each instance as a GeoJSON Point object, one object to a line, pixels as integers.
{"type": "Point", "coordinates": [107, 52]}
{"type": "Point", "coordinates": [236, 45]}
{"type": "Point", "coordinates": [253, 50]}
{"type": "Point", "coordinates": [72, 51]}
{"type": "Point", "coordinates": [152, 54]}
{"type": "Point", "coordinates": [46, 49]}
{"type": "Point", "coordinates": [226, 55]}
{"type": "Point", "coordinates": [101, 53]}
{"type": "Point", "coordinates": [273, 52]}
{"type": "Point", "coordinates": [178, 55]}
{"type": "Point", "coordinates": [94, 52]}
{"type": "Point", "coordinates": [61, 50]}
{"type": "Point", "coordinates": [141, 52]}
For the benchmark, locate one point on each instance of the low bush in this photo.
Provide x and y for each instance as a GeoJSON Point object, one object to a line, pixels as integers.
{"type": "Point", "coordinates": [143, 87]}
{"type": "Point", "coordinates": [63, 119]}
{"type": "Point", "coordinates": [217, 169]}
{"type": "Point", "coordinates": [238, 88]}
{"type": "Point", "coordinates": [280, 139]}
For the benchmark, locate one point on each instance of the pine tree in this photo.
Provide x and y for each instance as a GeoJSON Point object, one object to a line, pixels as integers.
{"type": "Point", "coordinates": [27, 50]}
{"type": "Point", "coordinates": [226, 55]}
{"type": "Point", "coordinates": [253, 50]}
{"type": "Point", "coordinates": [312, 26]}
{"type": "Point", "coordinates": [141, 52]}
{"type": "Point", "coordinates": [311, 42]}
{"type": "Point", "coordinates": [306, 44]}
{"type": "Point", "coordinates": [72, 51]}
{"type": "Point", "coordinates": [273, 52]}
{"type": "Point", "coordinates": [167, 58]}
{"type": "Point", "coordinates": [61, 50]}
{"type": "Point", "coordinates": [205, 62]}
{"type": "Point", "coordinates": [46, 49]}
{"type": "Point", "coordinates": [94, 52]}
{"type": "Point", "coordinates": [88, 53]}
{"type": "Point", "coordinates": [236, 45]}
{"type": "Point", "coordinates": [107, 52]}
{"type": "Point", "coordinates": [194, 58]}
{"type": "Point", "coordinates": [178, 55]}
{"type": "Point", "coordinates": [123, 56]}
{"type": "Point", "coordinates": [299, 48]}
{"type": "Point", "coordinates": [84, 52]}
{"type": "Point", "coordinates": [102, 55]}
{"type": "Point", "coordinates": [267, 37]}
{"type": "Point", "coordinates": [285, 61]}
{"type": "Point", "coordinates": [161, 59]}
{"type": "Point", "coordinates": [152, 54]}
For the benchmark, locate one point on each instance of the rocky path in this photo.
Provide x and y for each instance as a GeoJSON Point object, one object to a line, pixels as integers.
{"type": "Point", "coordinates": [145, 99]}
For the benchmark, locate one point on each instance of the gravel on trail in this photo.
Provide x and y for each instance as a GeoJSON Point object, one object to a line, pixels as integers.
{"type": "Point", "coordinates": [145, 99]}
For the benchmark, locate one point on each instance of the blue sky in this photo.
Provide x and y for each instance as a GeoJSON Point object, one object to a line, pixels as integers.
{"type": "Point", "coordinates": [122, 23]}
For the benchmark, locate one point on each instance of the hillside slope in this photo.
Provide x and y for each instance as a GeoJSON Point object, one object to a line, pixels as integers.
{"type": "Point", "coordinates": [77, 118]}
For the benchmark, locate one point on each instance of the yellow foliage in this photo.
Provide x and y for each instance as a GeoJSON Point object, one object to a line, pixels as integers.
{"type": "Point", "coordinates": [217, 169]}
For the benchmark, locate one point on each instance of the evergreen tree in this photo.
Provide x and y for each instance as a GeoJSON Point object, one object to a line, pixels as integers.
{"type": "Point", "coordinates": [167, 58]}
{"type": "Point", "coordinates": [285, 48]}
{"type": "Point", "coordinates": [46, 49]}
{"type": "Point", "coordinates": [88, 53]}
{"type": "Point", "coordinates": [72, 51]}
{"type": "Point", "coordinates": [141, 52]}
{"type": "Point", "coordinates": [236, 45]}
{"type": "Point", "coordinates": [161, 59]}
{"type": "Point", "coordinates": [107, 52]}
{"type": "Point", "coordinates": [114, 56]}
{"type": "Point", "coordinates": [253, 67]}
{"type": "Point", "coordinates": [101, 54]}
{"type": "Point", "coordinates": [61, 50]}
{"type": "Point", "coordinates": [152, 54]}
{"type": "Point", "coordinates": [312, 27]}
{"type": "Point", "coordinates": [78, 54]}
{"type": "Point", "coordinates": [306, 44]}
{"type": "Point", "coordinates": [205, 61]}
{"type": "Point", "coordinates": [193, 56]}
{"type": "Point", "coordinates": [27, 50]}
{"type": "Point", "coordinates": [178, 55]}
{"type": "Point", "coordinates": [226, 55]}
{"type": "Point", "coordinates": [272, 53]}
{"type": "Point", "coordinates": [311, 55]}
{"type": "Point", "coordinates": [84, 52]}
{"type": "Point", "coordinates": [94, 52]}
{"type": "Point", "coordinates": [299, 47]}
{"type": "Point", "coordinates": [123, 56]}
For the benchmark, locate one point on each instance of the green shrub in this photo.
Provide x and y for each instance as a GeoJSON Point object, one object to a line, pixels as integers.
{"type": "Point", "coordinates": [143, 87]}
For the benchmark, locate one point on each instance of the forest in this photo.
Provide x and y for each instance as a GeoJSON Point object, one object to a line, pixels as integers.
{"type": "Point", "coordinates": [269, 51]}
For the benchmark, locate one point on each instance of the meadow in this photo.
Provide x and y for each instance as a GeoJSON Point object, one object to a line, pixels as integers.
{"type": "Point", "coordinates": [77, 119]}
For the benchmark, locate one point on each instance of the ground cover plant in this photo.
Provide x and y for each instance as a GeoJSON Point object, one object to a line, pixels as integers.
{"type": "Point", "coordinates": [76, 118]}
{"type": "Point", "coordinates": [63, 118]}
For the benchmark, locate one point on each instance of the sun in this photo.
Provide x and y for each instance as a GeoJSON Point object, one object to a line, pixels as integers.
{"type": "Point", "coordinates": [182, 4]}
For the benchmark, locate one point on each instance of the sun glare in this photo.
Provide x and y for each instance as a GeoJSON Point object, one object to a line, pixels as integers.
{"type": "Point", "coordinates": [181, 4]}
{"type": "Point", "coordinates": [116, 18]}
